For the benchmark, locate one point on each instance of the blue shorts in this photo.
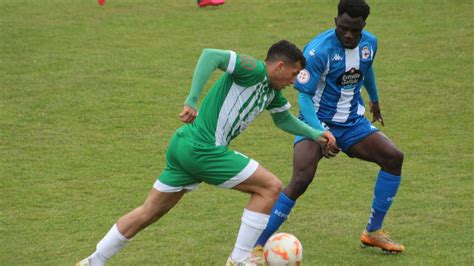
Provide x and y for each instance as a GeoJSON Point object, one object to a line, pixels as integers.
{"type": "Point", "coordinates": [346, 136]}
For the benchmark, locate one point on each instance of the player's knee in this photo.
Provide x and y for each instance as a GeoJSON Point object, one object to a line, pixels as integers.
{"type": "Point", "coordinates": [275, 187]}
{"type": "Point", "coordinates": [272, 189]}
{"type": "Point", "coordinates": [394, 160]}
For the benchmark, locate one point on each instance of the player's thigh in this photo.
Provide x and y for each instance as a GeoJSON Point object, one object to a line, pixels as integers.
{"type": "Point", "coordinates": [306, 155]}
{"type": "Point", "coordinates": [261, 181]}
{"type": "Point", "coordinates": [348, 136]}
{"type": "Point", "coordinates": [160, 202]}
{"type": "Point", "coordinates": [374, 148]}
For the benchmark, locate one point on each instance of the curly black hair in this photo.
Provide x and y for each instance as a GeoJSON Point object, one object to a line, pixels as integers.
{"type": "Point", "coordinates": [354, 8]}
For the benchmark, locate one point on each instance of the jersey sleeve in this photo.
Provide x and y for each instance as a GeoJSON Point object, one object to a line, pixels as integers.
{"type": "Point", "coordinates": [307, 111]}
{"type": "Point", "coordinates": [209, 61]}
{"type": "Point", "coordinates": [245, 70]}
{"type": "Point", "coordinates": [289, 123]}
{"type": "Point", "coordinates": [308, 78]}
{"type": "Point", "coordinates": [369, 77]}
{"type": "Point", "coordinates": [370, 85]}
{"type": "Point", "coordinates": [278, 104]}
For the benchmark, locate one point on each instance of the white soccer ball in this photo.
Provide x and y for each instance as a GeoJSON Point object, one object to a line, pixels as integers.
{"type": "Point", "coordinates": [283, 249]}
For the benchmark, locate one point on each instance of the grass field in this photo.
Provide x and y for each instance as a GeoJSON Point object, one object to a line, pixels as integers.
{"type": "Point", "coordinates": [90, 95]}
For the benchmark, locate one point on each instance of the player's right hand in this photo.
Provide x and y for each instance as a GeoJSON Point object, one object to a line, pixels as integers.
{"type": "Point", "coordinates": [375, 110]}
{"type": "Point", "coordinates": [188, 114]}
{"type": "Point", "coordinates": [327, 138]}
{"type": "Point", "coordinates": [327, 141]}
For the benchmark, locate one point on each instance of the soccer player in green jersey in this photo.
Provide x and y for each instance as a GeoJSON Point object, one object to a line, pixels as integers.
{"type": "Point", "coordinates": [198, 151]}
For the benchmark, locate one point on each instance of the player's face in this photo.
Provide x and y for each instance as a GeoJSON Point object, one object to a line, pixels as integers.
{"type": "Point", "coordinates": [349, 30]}
{"type": "Point", "coordinates": [285, 75]}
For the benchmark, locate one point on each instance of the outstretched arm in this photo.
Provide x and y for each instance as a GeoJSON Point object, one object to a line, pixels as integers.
{"type": "Point", "coordinates": [209, 61]}
{"type": "Point", "coordinates": [371, 87]}
{"type": "Point", "coordinates": [307, 109]}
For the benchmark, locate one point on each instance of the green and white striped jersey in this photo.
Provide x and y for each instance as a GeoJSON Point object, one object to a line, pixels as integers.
{"type": "Point", "coordinates": [234, 101]}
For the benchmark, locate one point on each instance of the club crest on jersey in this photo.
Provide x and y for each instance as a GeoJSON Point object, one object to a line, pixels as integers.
{"type": "Point", "coordinates": [349, 78]}
{"type": "Point", "coordinates": [303, 77]}
{"type": "Point", "coordinates": [248, 62]}
{"type": "Point", "coordinates": [366, 54]}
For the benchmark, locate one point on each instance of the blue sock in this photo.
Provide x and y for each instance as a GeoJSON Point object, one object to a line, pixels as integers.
{"type": "Point", "coordinates": [280, 212]}
{"type": "Point", "coordinates": [385, 190]}
{"type": "Point", "coordinates": [375, 220]}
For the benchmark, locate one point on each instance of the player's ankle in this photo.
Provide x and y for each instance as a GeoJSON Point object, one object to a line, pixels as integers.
{"type": "Point", "coordinates": [97, 259]}
{"type": "Point", "coordinates": [372, 229]}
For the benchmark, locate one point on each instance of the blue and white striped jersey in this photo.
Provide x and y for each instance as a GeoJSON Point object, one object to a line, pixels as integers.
{"type": "Point", "coordinates": [334, 76]}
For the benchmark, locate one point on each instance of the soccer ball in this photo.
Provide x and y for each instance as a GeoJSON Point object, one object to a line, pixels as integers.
{"type": "Point", "coordinates": [283, 249]}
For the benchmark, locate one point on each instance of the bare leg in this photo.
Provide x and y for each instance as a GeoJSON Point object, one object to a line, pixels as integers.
{"type": "Point", "coordinates": [306, 156]}
{"type": "Point", "coordinates": [155, 206]}
{"type": "Point", "coordinates": [381, 150]}
{"type": "Point", "coordinates": [264, 188]}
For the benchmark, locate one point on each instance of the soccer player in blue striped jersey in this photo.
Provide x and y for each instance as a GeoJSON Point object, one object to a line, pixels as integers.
{"type": "Point", "coordinates": [339, 64]}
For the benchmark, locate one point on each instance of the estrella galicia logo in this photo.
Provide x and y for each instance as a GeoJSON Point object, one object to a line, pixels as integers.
{"type": "Point", "coordinates": [349, 78]}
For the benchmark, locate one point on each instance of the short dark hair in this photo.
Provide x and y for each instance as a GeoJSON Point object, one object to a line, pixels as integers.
{"type": "Point", "coordinates": [354, 8]}
{"type": "Point", "coordinates": [286, 52]}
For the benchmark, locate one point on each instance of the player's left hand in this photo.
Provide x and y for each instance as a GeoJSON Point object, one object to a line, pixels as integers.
{"type": "Point", "coordinates": [332, 151]}
{"type": "Point", "coordinates": [329, 151]}
{"type": "Point", "coordinates": [188, 114]}
{"type": "Point", "coordinates": [328, 144]}
{"type": "Point", "coordinates": [376, 114]}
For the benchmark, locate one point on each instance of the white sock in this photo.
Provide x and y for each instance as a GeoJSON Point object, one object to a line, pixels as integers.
{"type": "Point", "coordinates": [252, 226]}
{"type": "Point", "coordinates": [112, 243]}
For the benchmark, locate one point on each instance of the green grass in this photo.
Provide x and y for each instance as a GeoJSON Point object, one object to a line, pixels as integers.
{"type": "Point", "coordinates": [89, 97]}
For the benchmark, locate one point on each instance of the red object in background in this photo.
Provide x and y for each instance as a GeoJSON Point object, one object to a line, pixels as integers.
{"type": "Point", "coordinates": [101, 2]}
{"type": "Point", "coordinates": [204, 3]}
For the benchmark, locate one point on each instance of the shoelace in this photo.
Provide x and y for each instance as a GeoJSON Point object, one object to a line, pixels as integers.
{"type": "Point", "coordinates": [385, 237]}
